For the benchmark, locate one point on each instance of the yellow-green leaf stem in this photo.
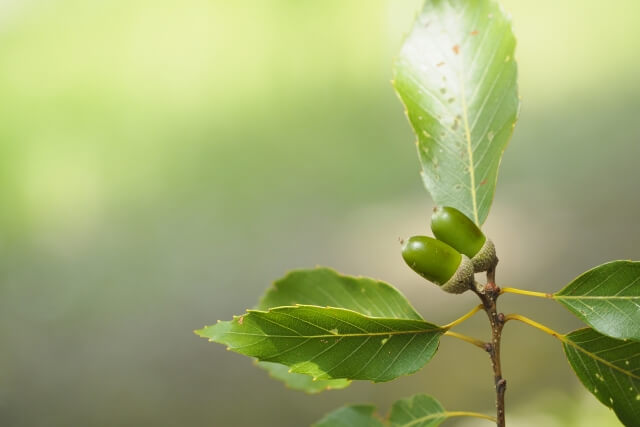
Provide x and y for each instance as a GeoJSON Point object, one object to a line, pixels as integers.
{"type": "Point", "coordinates": [461, 319]}
{"type": "Point", "coordinates": [525, 292]}
{"type": "Point", "coordinates": [478, 343]}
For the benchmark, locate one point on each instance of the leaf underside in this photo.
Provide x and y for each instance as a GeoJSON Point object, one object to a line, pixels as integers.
{"type": "Point", "coordinates": [325, 287]}
{"type": "Point", "coordinates": [330, 343]}
{"type": "Point", "coordinates": [456, 76]}
{"type": "Point", "coordinates": [609, 369]}
{"type": "Point", "coordinates": [301, 382]}
{"type": "Point", "coordinates": [417, 411]}
{"type": "Point", "coordinates": [607, 298]}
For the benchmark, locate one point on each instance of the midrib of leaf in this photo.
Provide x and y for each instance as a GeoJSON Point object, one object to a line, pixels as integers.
{"type": "Point", "coordinates": [471, 167]}
{"type": "Point", "coordinates": [568, 341]}
{"type": "Point", "coordinates": [364, 334]}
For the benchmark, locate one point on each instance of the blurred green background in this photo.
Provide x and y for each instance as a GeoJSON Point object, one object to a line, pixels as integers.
{"type": "Point", "coordinates": [161, 162]}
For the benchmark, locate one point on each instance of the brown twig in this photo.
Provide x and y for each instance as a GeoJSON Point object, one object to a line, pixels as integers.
{"type": "Point", "coordinates": [489, 295]}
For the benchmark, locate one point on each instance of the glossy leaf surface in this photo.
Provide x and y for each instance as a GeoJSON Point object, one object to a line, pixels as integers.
{"type": "Point", "coordinates": [609, 369]}
{"type": "Point", "coordinates": [607, 298]}
{"type": "Point", "coordinates": [330, 343]}
{"type": "Point", "coordinates": [326, 287]}
{"type": "Point", "coordinates": [456, 76]}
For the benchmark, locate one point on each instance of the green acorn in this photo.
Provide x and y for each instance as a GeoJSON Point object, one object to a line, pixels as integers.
{"type": "Point", "coordinates": [439, 263]}
{"type": "Point", "coordinates": [454, 228]}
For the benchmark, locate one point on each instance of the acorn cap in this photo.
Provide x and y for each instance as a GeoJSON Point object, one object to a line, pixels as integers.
{"type": "Point", "coordinates": [463, 279]}
{"type": "Point", "coordinates": [485, 258]}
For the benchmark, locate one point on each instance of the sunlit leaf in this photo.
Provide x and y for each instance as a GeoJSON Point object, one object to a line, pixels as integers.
{"type": "Point", "coordinates": [330, 343]}
{"type": "Point", "coordinates": [607, 298]}
{"type": "Point", "coordinates": [351, 416]}
{"type": "Point", "coordinates": [456, 76]}
{"type": "Point", "coordinates": [325, 287]}
{"type": "Point", "coordinates": [609, 369]}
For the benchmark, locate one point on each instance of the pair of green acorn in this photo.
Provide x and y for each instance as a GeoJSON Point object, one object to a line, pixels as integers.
{"type": "Point", "coordinates": [459, 251]}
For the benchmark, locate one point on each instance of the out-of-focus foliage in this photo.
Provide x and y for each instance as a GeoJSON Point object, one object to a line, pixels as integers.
{"type": "Point", "coordinates": [161, 162]}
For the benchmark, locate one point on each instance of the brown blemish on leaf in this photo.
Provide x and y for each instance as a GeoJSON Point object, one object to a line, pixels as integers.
{"type": "Point", "coordinates": [484, 181]}
{"type": "Point", "coordinates": [456, 49]}
{"type": "Point", "coordinates": [474, 32]}
{"type": "Point", "coordinates": [439, 64]}
{"type": "Point", "coordinates": [240, 320]}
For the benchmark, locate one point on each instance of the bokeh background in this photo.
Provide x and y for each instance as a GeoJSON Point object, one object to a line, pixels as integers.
{"type": "Point", "coordinates": [161, 162]}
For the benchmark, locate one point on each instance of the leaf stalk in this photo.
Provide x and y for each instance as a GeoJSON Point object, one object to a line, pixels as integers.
{"type": "Point", "coordinates": [450, 414]}
{"type": "Point", "coordinates": [463, 318]}
{"type": "Point", "coordinates": [471, 340]}
{"type": "Point", "coordinates": [535, 324]}
{"type": "Point", "coordinates": [528, 293]}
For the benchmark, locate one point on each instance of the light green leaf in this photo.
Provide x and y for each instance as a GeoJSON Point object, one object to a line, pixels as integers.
{"type": "Point", "coordinates": [325, 287]}
{"type": "Point", "coordinates": [456, 76]}
{"type": "Point", "coordinates": [418, 411]}
{"type": "Point", "coordinates": [607, 298]}
{"type": "Point", "coordinates": [330, 343]}
{"type": "Point", "coordinates": [351, 416]}
{"type": "Point", "coordinates": [609, 369]}
{"type": "Point", "coordinates": [301, 382]}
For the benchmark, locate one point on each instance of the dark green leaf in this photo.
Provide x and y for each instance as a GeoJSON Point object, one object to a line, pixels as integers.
{"type": "Point", "coordinates": [607, 298]}
{"type": "Point", "coordinates": [456, 76]}
{"type": "Point", "coordinates": [608, 368]}
{"type": "Point", "coordinates": [299, 381]}
{"type": "Point", "coordinates": [330, 343]}
{"type": "Point", "coordinates": [418, 411]}
{"type": "Point", "coordinates": [325, 287]}
{"type": "Point", "coordinates": [351, 416]}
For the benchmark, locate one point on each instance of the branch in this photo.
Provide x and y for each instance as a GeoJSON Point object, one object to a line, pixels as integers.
{"type": "Point", "coordinates": [489, 295]}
